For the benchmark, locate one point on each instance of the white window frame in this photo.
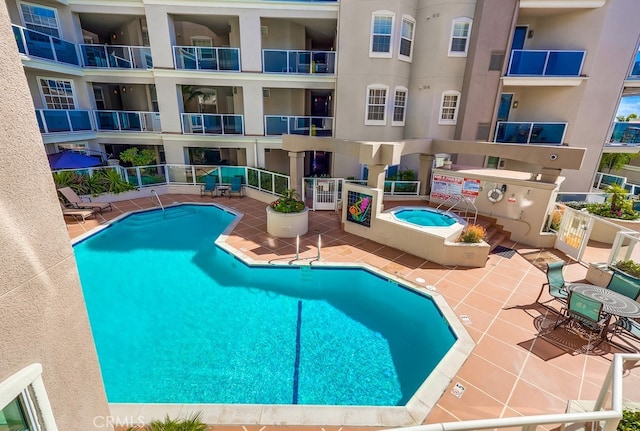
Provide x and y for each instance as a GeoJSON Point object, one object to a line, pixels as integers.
{"type": "Point", "coordinates": [382, 122]}
{"type": "Point", "coordinates": [456, 109]}
{"type": "Point", "coordinates": [397, 90]}
{"type": "Point", "coordinates": [55, 15]}
{"type": "Point", "coordinates": [460, 20]}
{"type": "Point", "coordinates": [44, 99]}
{"type": "Point", "coordinates": [382, 14]}
{"type": "Point", "coordinates": [19, 385]}
{"type": "Point", "coordinates": [412, 21]}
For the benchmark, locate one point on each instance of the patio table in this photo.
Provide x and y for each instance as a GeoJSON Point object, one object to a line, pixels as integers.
{"type": "Point", "coordinates": [613, 303]}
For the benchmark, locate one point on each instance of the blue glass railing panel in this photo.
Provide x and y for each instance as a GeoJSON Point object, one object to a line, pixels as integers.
{"type": "Point", "coordinates": [36, 44]}
{"type": "Point", "coordinates": [116, 56]}
{"type": "Point", "coordinates": [530, 133]}
{"type": "Point", "coordinates": [106, 120]}
{"type": "Point", "coordinates": [80, 120]}
{"type": "Point", "coordinates": [300, 126]}
{"type": "Point", "coordinates": [635, 70]}
{"type": "Point", "coordinates": [276, 125]}
{"type": "Point", "coordinates": [40, 122]}
{"type": "Point", "coordinates": [19, 39]}
{"type": "Point", "coordinates": [233, 124]}
{"type": "Point", "coordinates": [206, 58]}
{"type": "Point", "coordinates": [625, 132]}
{"type": "Point", "coordinates": [63, 120]}
{"type": "Point", "coordinates": [213, 124]}
{"type": "Point", "coordinates": [56, 120]}
{"type": "Point", "coordinates": [274, 61]}
{"type": "Point", "coordinates": [294, 125]}
{"type": "Point", "coordinates": [545, 63]}
{"type": "Point", "coordinates": [298, 62]}
{"type": "Point", "coordinates": [39, 45]}
{"type": "Point", "coordinates": [229, 59]}
{"type": "Point", "coordinates": [66, 52]}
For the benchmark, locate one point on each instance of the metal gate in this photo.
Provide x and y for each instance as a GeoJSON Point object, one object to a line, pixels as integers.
{"type": "Point", "coordinates": [322, 193]}
{"type": "Point", "coordinates": [574, 231]}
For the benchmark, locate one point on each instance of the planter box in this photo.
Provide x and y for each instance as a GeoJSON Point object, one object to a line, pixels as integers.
{"type": "Point", "coordinates": [287, 225]}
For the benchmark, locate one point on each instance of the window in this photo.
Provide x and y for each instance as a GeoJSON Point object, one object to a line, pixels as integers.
{"type": "Point", "coordinates": [399, 106]}
{"type": "Point", "coordinates": [201, 41]}
{"type": "Point", "coordinates": [40, 18]}
{"type": "Point", "coordinates": [57, 93]}
{"type": "Point", "coordinates": [376, 105]}
{"type": "Point", "coordinates": [406, 38]}
{"type": "Point", "coordinates": [460, 31]}
{"type": "Point", "coordinates": [381, 31]}
{"type": "Point", "coordinates": [449, 107]}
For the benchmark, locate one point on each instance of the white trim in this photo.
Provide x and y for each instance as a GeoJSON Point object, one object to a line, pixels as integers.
{"type": "Point", "coordinates": [404, 90]}
{"type": "Point", "coordinates": [14, 386]}
{"type": "Point", "coordinates": [456, 109]}
{"type": "Point", "coordinates": [55, 14]}
{"type": "Point", "coordinates": [460, 20]}
{"type": "Point", "coordinates": [58, 79]}
{"type": "Point", "coordinates": [382, 122]}
{"type": "Point", "coordinates": [382, 14]}
{"type": "Point", "coordinates": [412, 20]}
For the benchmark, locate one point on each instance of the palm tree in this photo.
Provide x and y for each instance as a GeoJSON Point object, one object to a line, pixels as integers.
{"type": "Point", "coordinates": [628, 118]}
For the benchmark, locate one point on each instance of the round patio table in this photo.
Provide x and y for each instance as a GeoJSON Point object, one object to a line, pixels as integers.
{"type": "Point", "coordinates": [612, 302]}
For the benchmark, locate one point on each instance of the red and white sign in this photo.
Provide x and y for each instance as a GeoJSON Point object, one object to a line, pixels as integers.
{"type": "Point", "coordinates": [445, 186]}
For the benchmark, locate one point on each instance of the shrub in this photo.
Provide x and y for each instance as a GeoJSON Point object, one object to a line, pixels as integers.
{"type": "Point", "coordinates": [629, 266]}
{"type": "Point", "coordinates": [472, 234]}
{"type": "Point", "coordinates": [288, 203]}
{"type": "Point", "coordinates": [192, 423]}
{"type": "Point", "coordinates": [630, 421]}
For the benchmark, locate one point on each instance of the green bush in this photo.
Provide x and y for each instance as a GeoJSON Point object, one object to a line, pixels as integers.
{"type": "Point", "coordinates": [102, 181]}
{"type": "Point", "coordinates": [629, 266]}
{"type": "Point", "coordinates": [192, 423]}
{"type": "Point", "coordinates": [630, 421]}
{"type": "Point", "coordinates": [288, 203]}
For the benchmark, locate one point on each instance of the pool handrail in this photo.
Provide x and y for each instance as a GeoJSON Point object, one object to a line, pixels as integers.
{"type": "Point", "coordinates": [454, 200]}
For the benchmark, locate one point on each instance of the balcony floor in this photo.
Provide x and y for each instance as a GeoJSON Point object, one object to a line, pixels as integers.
{"type": "Point", "coordinates": [512, 371]}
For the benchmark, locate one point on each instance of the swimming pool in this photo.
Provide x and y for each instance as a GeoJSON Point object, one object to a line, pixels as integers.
{"type": "Point", "coordinates": [426, 217]}
{"type": "Point", "coordinates": [177, 319]}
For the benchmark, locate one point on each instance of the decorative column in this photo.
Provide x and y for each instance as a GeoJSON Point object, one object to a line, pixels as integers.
{"type": "Point", "coordinates": [424, 173]}
{"type": "Point", "coordinates": [376, 176]}
{"type": "Point", "coordinates": [296, 170]}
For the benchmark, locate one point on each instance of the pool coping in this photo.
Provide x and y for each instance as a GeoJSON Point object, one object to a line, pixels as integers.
{"type": "Point", "coordinates": [413, 413]}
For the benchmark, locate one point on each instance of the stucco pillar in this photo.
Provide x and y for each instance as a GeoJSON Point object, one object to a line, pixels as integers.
{"type": "Point", "coordinates": [549, 175]}
{"type": "Point", "coordinates": [424, 173]}
{"type": "Point", "coordinates": [376, 176]}
{"type": "Point", "coordinates": [161, 36]}
{"type": "Point", "coordinates": [253, 108]}
{"type": "Point", "coordinates": [250, 51]}
{"type": "Point", "coordinates": [296, 170]}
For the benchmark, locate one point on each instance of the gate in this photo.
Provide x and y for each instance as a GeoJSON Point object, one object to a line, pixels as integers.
{"type": "Point", "coordinates": [574, 231]}
{"type": "Point", "coordinates": [322, 193]}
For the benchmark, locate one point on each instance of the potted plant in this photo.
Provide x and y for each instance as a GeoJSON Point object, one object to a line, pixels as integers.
{"type": "Point", "coordinates": [628, 268]}
{"type": "Point", "coordinates": [472, 234]}
{"type": "Point", "coordinates": [287, 216]}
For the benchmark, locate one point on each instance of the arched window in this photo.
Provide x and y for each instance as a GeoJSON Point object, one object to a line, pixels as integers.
{"type": "Point", "coordinates": [449, 107]}
{"type": "Point", "coordinates": [460, 33]}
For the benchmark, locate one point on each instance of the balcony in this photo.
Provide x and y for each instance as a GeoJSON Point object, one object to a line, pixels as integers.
{"type": "Point", "coordinates": [545, 67]}
{"type": "Point", "coordinates": [625, 133]}
{"type": "Point", "coordinates": [206, 58]}
{"type": "Point", "coordinates": [275, 125]}
{"type": "Point", "coordinates": [127, 121]}
{"type": "Point", "coordinates": [298, 62]}
{"type": "Point", "coordinates": [530, 133]}
{"type": "Point", "coordinates": [40, 45]}
{"type": "Point", "coordinates": [116, 56]}
{"type": "Point", "coordinates": [212, 124]}
{"type": "Point", "coordinates": [63, 120]}
{"type": "Point", "coordinates": [635, 71]}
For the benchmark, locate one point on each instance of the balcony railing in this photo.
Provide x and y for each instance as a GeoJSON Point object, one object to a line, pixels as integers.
{"type": "Point", "coordinates": [206, 58]}
{"type": "Point", "coordinates": [127, 121]}
{"type": "Point", "coordinates": [635, 71]}
{"type": "Point", "coordinates": [290, 125]}
{"type": "Point", "coordinates": [530, 133]}
{"type": "Point", "coordinates": [213, 124]}
{"type": "Point", "coordinates": [545, 63]}
{"type": "Point", "coordinates": [298, 62]}
{"type": "Point", "coordinates": [63, 120]}
{"type": "Point", "coordinates": [625, 132]}
{"type": "Point", "coordinates": [116, 56]}
{"type": "Point", "coordinates": [36, 44]}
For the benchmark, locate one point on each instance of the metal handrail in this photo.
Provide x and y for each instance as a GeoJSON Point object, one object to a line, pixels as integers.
{"type": "Point", "coordinates": [455, 200]}
{"type": "Point", "coordinates": [154, 193]}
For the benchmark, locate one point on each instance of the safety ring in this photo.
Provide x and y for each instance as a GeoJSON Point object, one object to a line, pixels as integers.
{"type": "Point", "coordinates": [495, 195]}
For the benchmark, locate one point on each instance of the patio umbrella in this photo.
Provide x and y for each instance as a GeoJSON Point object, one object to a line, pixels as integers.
{"type": "Point", "coordinates": [72, 160]}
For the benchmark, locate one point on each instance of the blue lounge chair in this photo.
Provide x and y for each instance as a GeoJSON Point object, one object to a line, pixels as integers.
{"type": "Point", "coordinates": [624, 286]}
{"type": "Point", "coordinates": [555, 283]}
{"type": "Point", "coordinates": [236, 186]}
{"type": "Point", "coordinates": [586, 311]}
{"type": "Point", "coordinates": [210, 185]}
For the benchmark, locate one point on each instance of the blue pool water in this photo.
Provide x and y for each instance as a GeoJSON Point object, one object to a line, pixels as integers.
{"type": "Point", "coordinates": [177, 320]}
{"type": "Point", "coordinates": [425, 217]}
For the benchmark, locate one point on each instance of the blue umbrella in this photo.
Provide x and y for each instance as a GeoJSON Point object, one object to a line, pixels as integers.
{"type": "Point", "coordinates": [72, 160]}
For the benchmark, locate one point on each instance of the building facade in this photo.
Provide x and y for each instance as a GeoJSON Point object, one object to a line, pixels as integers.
{"type": "Point", "coordinates": [207, 82]}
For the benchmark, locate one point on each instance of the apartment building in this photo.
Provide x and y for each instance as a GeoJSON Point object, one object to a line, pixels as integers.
{"type": "Point", "coordinates": [221, 82]}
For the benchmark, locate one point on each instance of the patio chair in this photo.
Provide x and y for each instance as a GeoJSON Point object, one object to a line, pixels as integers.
{"type": "Point", "coordinates": [629, 326]}
{"type": "Point", "coordinates": [624, 286]}
{"type": "Point", "coordinates": [236, 185]}
{"type": "Point", "coordinates": [555, 283]}
{"type": "Point", "coordinates": [79, 214]}
{"type": "Point", "coordinates": [76, 201]}
{"type": "Point", "coordinates": [210, 185]}
{"type": "Point", "coordinates": [586, 311]}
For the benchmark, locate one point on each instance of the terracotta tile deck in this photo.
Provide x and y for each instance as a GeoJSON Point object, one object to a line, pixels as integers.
{"type": "Point", "coordinates": [512, 371]}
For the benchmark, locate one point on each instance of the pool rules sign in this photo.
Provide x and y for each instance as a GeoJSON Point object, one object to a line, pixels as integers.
{"type": "Point", "coordinates": [445, 186]}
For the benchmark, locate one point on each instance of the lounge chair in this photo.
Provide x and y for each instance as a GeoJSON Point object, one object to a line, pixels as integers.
{"type": "Point", "coordinates": [210, 185]}
{"type": "Point", "coordinates": [76, 202]}
{"type": "Point", "coordinates": [78, 213]}
{"type": "Point", "coordinates": [624, 286]}
{"type": "Point", "coordinates": [236, 186]}
{"type": "Point", "coordinates": [587, 311]}
{"type": "Point", "coordinates": [555, 283]}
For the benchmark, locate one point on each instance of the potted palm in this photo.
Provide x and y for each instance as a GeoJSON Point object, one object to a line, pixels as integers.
{"type": "Point", "coordinates": [287, 216]}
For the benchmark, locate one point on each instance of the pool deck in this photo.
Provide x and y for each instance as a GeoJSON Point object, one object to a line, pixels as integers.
{"type": "Point", "coordinates": [512, 371]}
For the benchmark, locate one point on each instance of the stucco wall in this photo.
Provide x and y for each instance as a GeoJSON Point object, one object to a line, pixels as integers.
{"type": "Point", "coordinates": [42, 312]}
